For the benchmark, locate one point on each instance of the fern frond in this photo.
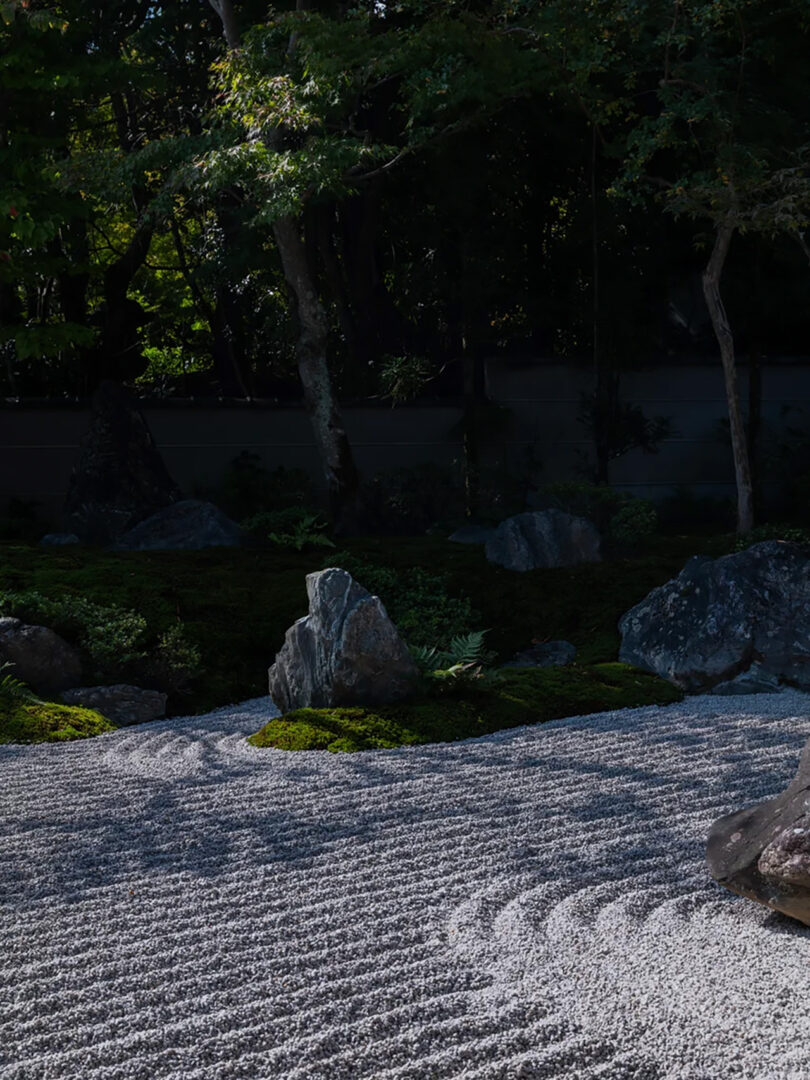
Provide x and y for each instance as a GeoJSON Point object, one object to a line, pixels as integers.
{"type": "Point", "coordinates": [12, 689]}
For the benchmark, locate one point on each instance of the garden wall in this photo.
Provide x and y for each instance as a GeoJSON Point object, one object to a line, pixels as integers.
{"type": "Point", "coordinates": [39, 445]}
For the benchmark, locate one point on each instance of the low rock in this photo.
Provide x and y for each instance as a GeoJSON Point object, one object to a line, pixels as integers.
{"type": "Point", "coordinates": [763, 852]}
{"type": "Point", "coordinates": [59, 539]}
{"type": "Point", "coordinates": [543, 538]}
{"type": "Point", "coordinates": [547, 654]}
{"type": "Point", "coordinates": [753, 681]}
{"type": "Point", "coordinates": [41, 658]}
{"type": "Point", "coordinates": [472, 534]}
{"type": "Point", "coordinates": [188, 525]}
{"type": "Point", "coordinates": [122, 704]}
{"type": "Point", "coordinates": [720, 616]}
{"type": "Point", "coordinates": [346, 651]}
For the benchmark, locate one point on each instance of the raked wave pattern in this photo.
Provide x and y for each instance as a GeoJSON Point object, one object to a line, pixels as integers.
{"type": "Point", "coordinates": [178, 905]}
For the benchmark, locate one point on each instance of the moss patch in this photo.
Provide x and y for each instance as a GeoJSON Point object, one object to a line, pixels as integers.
{"type": "Point", "coordinates": [29, 722]}
{"type": "Point", "coordinates": [523, 696]}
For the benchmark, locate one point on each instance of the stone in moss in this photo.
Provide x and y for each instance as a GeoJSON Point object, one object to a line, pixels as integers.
{"type": "Point", "coordinates": [521, 696]}
{"type": "Point", "coordinates": [30, 722]}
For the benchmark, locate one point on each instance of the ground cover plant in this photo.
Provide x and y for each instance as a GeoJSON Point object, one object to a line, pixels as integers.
{"type": "Point", "coordinates": [516, 697]}
{"type": "Point", "coordinates": [234, 606]}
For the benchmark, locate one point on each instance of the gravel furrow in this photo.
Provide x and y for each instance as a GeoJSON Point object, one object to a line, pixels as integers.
{"type": "Point", "coordinates": [178, 905]}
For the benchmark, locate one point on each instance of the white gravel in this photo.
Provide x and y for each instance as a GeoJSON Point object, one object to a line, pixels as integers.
{"type": "Point", "coordinates": [177, 905]}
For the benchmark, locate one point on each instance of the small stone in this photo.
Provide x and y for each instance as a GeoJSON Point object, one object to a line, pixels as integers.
{"type": "Point", "coordinates": [59, 539]}
{"type": "Point", "coordinates": [472, 534]}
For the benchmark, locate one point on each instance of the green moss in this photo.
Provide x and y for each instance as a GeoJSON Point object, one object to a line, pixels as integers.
{"type": "Point", "coordinates": [522, 696]}
{"type": "Point", "coordinates": [29, 722]}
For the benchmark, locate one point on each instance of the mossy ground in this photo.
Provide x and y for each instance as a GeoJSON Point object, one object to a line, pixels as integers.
{"type": "Point", "coordinates": [521, 696]}
{"type": "Point", "coordinates": [32, 722]}
{"type": "Point", "coordinates": [237, 604]}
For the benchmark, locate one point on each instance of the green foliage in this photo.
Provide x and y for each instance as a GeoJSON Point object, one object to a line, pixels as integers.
{"type": "Point", "coordinates": [618, 515]}
{"type": "Point", "coordinates": [114, 639]}
{"type": "Point", "coordinates": [772, 531]}
{"type": "Point", "coordinates": [636, 520]}
{"type": "Point", "coordinates": [463, 661]}
{"type": "Point", "coordinates": [12, 689]}
{"type": "Point", "coordinates": [248, 488]}
{"type": "Point", "coordinates": [411, 499]}
{"type": "Point", "coordinates": [303, 532]}
{"type": "Point", "coordinates": [403, 377]}
{"type": "Point", "coordinates": [528, 696]}
{"type": "Point", "coordinates": [418, 602]}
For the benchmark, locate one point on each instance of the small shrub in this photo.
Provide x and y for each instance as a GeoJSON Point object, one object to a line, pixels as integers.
{"type": "Point", "coordinates": [295, 527]}
{"type": "Point", "coordinates": [410, 500]}
{"type": "Point", "coordinates": [635, 520]}
{"type": "Point", "coordinates": [247, 487]}
{"type": "Point", "coordinates": [417, 602]}
{"type": "Point", "coordinates": [774, 531]}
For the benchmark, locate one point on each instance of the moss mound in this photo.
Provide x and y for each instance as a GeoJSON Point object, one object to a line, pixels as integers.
{"type": "Point", "coordinates": [522, 696]}
{"type": "Point", "coordinates": [30, 722]}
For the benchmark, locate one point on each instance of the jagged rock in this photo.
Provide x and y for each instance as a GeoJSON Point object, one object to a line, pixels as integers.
{"type": "Point", "coordinates": [543, 538]}
{"type": "Point", "coordinates": [122, 704]}
{"type": "Point", "coordinates": [754, 681]}
{"type": "Point", "coordinates": [40, 657]}
{"type": "Point", "coordinates": [59, 539]}
{"type": "Point", "coordinates": [472, 534]}
{"type": "Point", "coordinates": [120, 477]}
{"type": "Point", "coordinates": [720, 616]}
{"type": "Point", "coordinates": [187, 525]}
{"type": "Point", "coordinates": [548, 654]}
{"type": "Point", "coordinates": [763, 852]}
{"type": "Point", "coordinates": [346, 651]}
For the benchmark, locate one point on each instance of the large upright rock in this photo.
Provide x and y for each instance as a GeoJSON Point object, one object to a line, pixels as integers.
{"type": "Point", "coordinates": [763, 852]}
{"type": "Point", "coordinates": [719, 617]}
{"type": "Point", "coordinates": [41, 658]}
{"type": "Point", "coordinates": [188, 525]}
{"type": "Point", "coordinates": [543, 538]}
{"type": "Point", "coordinates": [346, 651]}
{"type": "Point", "coordinates": [120, 478]}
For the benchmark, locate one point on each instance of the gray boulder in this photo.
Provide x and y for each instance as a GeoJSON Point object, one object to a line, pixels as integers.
{"type": "Point", "coordinates": [543, 538]}
{"type": "Point", "coordinates": [346, 651]}
{"type": "Point", "coordinates": [754, 681]}
{"type": "Point", "coordinates": [187, 525]}
{"type": "Point", "coordinates": [40, 657]}
{"type": "Point", "coordinates": [122, 704]}
{"type": "Point", "coordinates": [763, 852]}
{"type": "Point", "coordinates": [547, 654]}
{"type": "Point", "coordinates": [720, 616]}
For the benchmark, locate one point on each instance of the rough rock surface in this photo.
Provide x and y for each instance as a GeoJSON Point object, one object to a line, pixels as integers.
{"type": "Point", "coordinates": [346, 651]}
{"type": "Point", "coordinates": [547, 654]}
{"type": "Point", "coordinates": [40, 657]}
{"type": "Point", "coordinates": [121, 703]}
{"type": "Point", "coordinates": [753, 681]}
{"type": "Point", "coordinates": [763, 852]}
{"type": "Point", "coordinates": [720, 616]}
{"type": "Point", "coordinates": [120, 477]}
{"type": "Point", "coordinates": [543, 538]}
{"type": "Point", "coordinates": [187, 525]}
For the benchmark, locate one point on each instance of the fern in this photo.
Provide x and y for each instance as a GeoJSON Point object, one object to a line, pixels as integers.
{"type": "Point", "coordinates": [465, 659]}
{"type": "Point", "coordinates": [12, 689]}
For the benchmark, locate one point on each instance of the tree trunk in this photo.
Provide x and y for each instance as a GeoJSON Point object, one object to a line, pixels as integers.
{"type": "Point", "coordinates": [725, 339]}
{"type": "Point", "coordinates": [313, 329]}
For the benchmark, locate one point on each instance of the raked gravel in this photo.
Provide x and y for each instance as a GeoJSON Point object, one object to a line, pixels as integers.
{"type": "Point", "coordinates": [178, 905]}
